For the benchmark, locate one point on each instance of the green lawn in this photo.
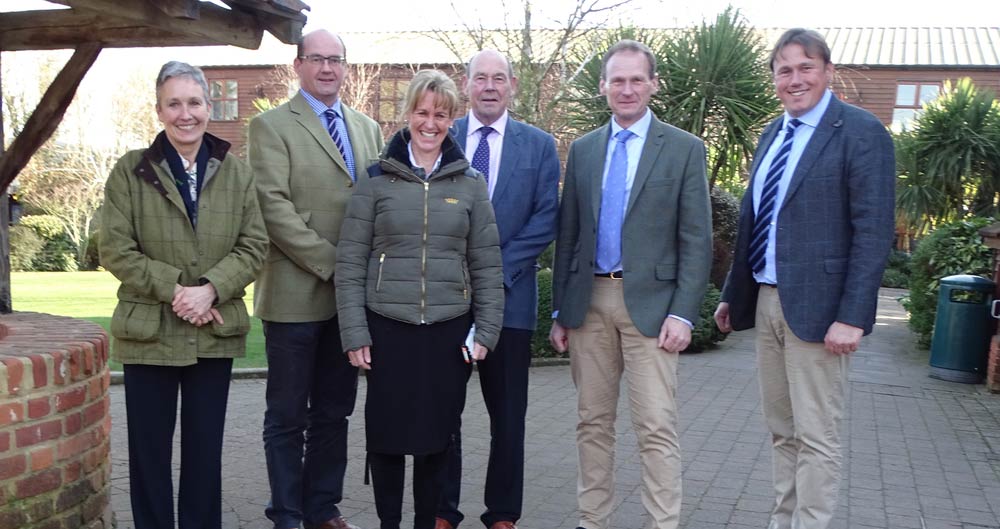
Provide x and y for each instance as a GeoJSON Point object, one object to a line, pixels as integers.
{"type": "Point", "coordinates": [91, 296]}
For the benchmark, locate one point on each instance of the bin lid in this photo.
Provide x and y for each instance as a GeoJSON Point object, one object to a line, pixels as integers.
{"type": "Point", "coordinates": [969, 281]}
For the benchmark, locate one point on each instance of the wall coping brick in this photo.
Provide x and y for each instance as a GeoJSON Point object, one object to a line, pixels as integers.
{"type": "Point", "coordinates": [56, 426]}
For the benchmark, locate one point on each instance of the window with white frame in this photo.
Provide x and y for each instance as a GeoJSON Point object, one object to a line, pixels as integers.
{"type": "Point", "coordinates": [910, 99]}
{"type": "Point", "coordinates": [225, 100]}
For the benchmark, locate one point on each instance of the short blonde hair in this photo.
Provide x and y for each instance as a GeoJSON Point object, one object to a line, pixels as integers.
{"type": "Point", "coordinates": [436, 82]}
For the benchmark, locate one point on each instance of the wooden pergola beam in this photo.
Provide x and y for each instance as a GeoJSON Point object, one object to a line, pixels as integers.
{"type": "Point", "coordinates": [67, 29]}
{"type": "Point", "coordinates": [189, 9]}
{"type": "Point", "coordinates": [215, 23]}
{"type": "Point", "coordinates": [48, 114]}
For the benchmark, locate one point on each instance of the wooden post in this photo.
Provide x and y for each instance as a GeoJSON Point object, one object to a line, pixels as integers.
{"type": "Point", "coordinates": [5, 303]}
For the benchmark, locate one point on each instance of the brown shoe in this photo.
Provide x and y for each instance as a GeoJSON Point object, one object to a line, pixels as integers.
{"type": "Point", "coordinates": [503, 524]}
{"type": "Point", "coordinates": [336, 523]}
{"type": "Point", "coordinates": [441, 523]}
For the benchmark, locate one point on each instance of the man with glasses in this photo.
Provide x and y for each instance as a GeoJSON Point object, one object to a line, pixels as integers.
{"type": "Point", "coordinates": [306, 155]}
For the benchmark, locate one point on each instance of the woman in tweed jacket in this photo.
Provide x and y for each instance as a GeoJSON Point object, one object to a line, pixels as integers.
{"type": "Point", "coordinates": [182, 231]}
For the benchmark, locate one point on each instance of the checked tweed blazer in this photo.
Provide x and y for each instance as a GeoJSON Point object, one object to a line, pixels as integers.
{"type": "Point", "coordinates": [835, 227]}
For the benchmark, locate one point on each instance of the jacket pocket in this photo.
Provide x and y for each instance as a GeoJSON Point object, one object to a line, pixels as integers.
{"type": "Point", "coordinates": [136, 321]}
{"type": "Point", "coordinates": [235, 318]}
{"type": "Point", "coordinates": [836, 265]}
{"type": "Point", "coordinates": [666, 271]}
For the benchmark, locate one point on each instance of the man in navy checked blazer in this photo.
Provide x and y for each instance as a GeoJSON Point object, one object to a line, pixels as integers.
{"type": "Point", "coordinates": [806, 271]}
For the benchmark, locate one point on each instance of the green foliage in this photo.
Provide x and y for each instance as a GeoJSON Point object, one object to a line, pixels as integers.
{"type": "Point", "coordinates": [949, 165]}
{"type": "Point", "coordinates": [714, 83]}
{"type": "Point", "coordinates": [540, 347]}
{"type": "Point", "coordinates": [897, 270]}
{"type": "Point", "coordinates": [58, 253]}
{"type": "Point", "coordinates": [92, 259]}
{"type": "Point", "coordinates": [25, 245]}
{"type": "Point", "coordinates": [954, 248]}
{"type": "Point", "coordinates": [705, 333]}
{"type": "Point", "coordinates": [725, 220]}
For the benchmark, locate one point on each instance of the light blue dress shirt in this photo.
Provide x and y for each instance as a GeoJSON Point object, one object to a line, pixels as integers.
{"type": "Point", "coordinates": [320, 109]}
{"type": "Point", "coordinates": [810, 120]}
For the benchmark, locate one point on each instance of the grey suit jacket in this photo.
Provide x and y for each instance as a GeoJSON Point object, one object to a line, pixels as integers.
{"type": "Point", "coordinates": [303, 187]}
{"type": "Point", "coordinates": [526, 201]}
{"type": "Point", "coordinates": [666, 236]}
{"type": "Point", "coordinates": [835, 227]}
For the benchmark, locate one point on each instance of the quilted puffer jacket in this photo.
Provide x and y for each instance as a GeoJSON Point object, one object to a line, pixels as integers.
{"type": "Point", "coordinates": [419, 251]}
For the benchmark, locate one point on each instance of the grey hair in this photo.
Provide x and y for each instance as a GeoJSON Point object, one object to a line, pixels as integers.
{"type": "Point", "coordinates": [181, 69]}
{"type": "Point", "coordinates": [468, 65]}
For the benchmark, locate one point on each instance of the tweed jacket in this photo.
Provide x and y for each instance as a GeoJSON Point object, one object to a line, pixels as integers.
{"type": "Point", "coordinates": [526, 203]}
{"type": "Point", "coordinates": [303, 186]}
{"type": "Point", "coordinates": [835, 227]}
{"type": "Point", "coordinates": [666, 232]}
{"type": "Point", "coordinates": [148, 243]}
{"type": "Point", "coordinates": [419, 251]}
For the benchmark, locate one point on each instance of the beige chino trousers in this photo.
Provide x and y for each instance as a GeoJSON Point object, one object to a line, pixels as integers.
{"type": "Point", "coordinates": [601, 350]}
{"type": "Point", "coordinates": [802, 395]}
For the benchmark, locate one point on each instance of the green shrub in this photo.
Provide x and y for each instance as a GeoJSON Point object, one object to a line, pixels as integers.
{"type": "Point", "coordinates": [725, 219]}
{"type": "Point", "coordinates": [91, 260]}
{"type": "Point", "coordinates": [897, 270]}
{"type": "Point", "coordinates": [59, 252]}
{"type": "Point", "coordinates": [25, 245]}
{"type": "Point", "coordinates": [540, 347]}
{"type": "Point", "coordinates": [950, 249]}
{"type": "Point", "coordinates": [706, 334]}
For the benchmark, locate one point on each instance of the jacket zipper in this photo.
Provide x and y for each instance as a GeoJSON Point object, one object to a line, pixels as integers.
{"type": "Point", "coordinates": [465, 286]}
{"type": "Point", "coordinates": [381, 261]}
{"type": "Point", "coordinates": [423, 259]}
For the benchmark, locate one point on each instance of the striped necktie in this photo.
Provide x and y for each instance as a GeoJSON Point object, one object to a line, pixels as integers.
{"type": "Point", "coordinates": [331, 119]}
{"type": "Point", "coordinates": [768, 196]}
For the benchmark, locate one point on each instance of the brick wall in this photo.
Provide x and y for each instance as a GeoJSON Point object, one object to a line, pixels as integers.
{"type": "Point", "coordinates": [55, 429]}
{"type": "Point", "coordinates": [993, 366]}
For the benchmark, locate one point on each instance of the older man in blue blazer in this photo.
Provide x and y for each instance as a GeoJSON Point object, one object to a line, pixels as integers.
{"type": "Point", "coordinates": [522, 172]}
{"type": "Point", "coordinates": [815, 230]}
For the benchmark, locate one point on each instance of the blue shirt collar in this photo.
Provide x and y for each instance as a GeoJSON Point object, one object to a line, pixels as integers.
{"type": "Point", "coordinates": [318, 106]}
{"type": "Point", "coordinates": [814, 115]}
{"type": "Point", "coordinates": [639, 128]}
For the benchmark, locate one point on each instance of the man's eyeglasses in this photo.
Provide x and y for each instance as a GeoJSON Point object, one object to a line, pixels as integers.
{"type": "Point", "coordinates": [318, 60]}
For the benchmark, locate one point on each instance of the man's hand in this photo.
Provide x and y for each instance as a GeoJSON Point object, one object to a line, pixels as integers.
{"type": "Point", "coordinates": [675, 335]}
{"type": "Point", "coordinates": [361, 357]}
{"type": "Point", "coordinates": [722, 317]}
{"type": "Point", "coordinates": [479, 351]}
{"type": "Point", "coordinates": [559, 337]}
{"type": "Point", "coordinates": [842, 339]}
{"type": "Point", "coordinates": [193, 303]}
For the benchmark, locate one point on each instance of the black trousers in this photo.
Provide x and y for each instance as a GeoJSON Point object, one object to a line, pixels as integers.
{"type": "Point", "coordinates": [388, 471]}
{"type": "Point", "coordinates": [503, 377]}
{"type": "Point", "coordinates": [311, 387]}
{"type": "Point", "coordinates": [151, 411]}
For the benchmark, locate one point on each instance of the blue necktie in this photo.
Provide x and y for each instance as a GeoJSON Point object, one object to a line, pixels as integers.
{"type": "Point", "coordinates": [609, 228]}
{"type": "Point", "coordinates": [331, 127]}
{"type": "Point", "coordinates": [768, 197]}
{"type": "Point", "coordinates": [481, 158]}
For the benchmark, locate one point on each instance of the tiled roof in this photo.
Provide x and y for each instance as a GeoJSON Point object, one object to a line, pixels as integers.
{"type": "Point", "coordinates": [938, 46]}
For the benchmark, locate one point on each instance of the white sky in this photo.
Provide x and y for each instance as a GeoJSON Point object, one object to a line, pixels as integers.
{"type": "Point", "coordinates": [399, 15]}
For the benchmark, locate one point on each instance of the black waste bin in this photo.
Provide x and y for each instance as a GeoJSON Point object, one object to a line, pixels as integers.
{"type": "Point", "coordinates": [962, 329]}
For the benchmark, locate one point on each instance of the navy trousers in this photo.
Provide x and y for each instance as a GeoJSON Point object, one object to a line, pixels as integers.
{"type": "Point", "coordinates": [151, 411]}
{"type": "Point", "coordinates": [503, 377]}
{"type": "Point", "coordinates": [311, 387]}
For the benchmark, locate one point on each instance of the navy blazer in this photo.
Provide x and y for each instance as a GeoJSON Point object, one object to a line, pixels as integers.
{"type": "Point", "coordinates": [835, 227]}
{"type": "Point", "coordinates": [526, 201]}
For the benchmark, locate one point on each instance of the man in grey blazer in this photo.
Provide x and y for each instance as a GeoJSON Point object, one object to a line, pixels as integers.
{"type": "Point", "coordinates": [632, 263]}
{"type": "Point", "coordinates": [815, 230]}
{"type": "Point", "coordinates": [522, 172]}
{"type": "Point", "coordinates": [306, 155]}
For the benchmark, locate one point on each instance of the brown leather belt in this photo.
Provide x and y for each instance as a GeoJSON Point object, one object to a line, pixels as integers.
{"type": "Point", "coordinates": [611, 275]}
